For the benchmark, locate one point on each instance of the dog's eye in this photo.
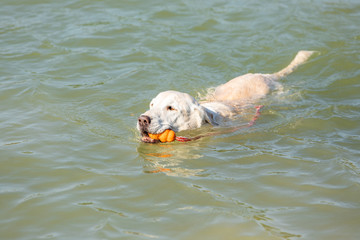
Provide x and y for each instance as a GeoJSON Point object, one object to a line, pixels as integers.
{"type": "Point", "coordinates": [170, 108]}
{"type": "Point", "coordinates": [151, 105]}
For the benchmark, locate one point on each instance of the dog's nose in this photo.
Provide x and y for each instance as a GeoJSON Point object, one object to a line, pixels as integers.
{"type": "Point", "coordinates": [144, 121]}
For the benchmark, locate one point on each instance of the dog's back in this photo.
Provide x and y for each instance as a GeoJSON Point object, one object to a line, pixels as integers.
{"type": "Point", "coordinates": [256, 85]}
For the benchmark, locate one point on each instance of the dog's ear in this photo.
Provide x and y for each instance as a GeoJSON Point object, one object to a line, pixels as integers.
{"type": "Point", "coordinates": [210, 116]}
{"type": "Point", "coordinates": [201, 115]}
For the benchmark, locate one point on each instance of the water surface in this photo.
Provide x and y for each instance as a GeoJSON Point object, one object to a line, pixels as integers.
{"type": "Point", "coordinates": [76, 74]}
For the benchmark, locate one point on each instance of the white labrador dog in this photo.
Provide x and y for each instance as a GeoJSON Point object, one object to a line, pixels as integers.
{"type": "Point", "coordinates": [179, 111]}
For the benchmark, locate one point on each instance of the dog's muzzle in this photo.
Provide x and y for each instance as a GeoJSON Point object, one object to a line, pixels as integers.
{"type": "Point", "coordinates": [143, 123]}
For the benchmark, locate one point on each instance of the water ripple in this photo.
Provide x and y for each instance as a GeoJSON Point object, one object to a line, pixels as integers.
{"type": "Point", "coordinates": [76, 74]}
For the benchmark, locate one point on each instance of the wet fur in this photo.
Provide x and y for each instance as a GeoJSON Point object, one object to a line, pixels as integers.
{"type": "Point", "coordinates": [180, 111]}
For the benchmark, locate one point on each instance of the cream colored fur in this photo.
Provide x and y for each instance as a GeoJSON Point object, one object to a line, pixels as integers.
{"type": "Point", "coordinates": [180, 111]}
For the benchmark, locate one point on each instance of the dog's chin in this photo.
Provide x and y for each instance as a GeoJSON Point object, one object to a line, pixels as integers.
{"type": "Point", "coordinates": [147, 139]}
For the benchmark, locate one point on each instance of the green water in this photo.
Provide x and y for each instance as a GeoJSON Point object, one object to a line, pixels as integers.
{"type": "Point", "coordinates": [75, 74]}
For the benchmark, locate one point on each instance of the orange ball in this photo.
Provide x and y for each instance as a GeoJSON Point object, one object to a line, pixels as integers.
{"type": "Point", "coordinates": [166, 136]}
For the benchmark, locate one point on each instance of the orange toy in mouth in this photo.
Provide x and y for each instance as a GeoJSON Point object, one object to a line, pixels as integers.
{"type": "Point", "coordinates": [166, 136]}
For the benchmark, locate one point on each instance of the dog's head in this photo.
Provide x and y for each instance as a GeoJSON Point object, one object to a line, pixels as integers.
{"type": "Point", "coordinates": [173, 110]}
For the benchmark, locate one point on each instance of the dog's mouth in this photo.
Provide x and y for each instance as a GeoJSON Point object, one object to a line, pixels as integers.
{"type": "Point", "coordinates": [146, 138]}
{"type": "Point", "coordinates": [166, 136]}
{"type": "Point", "coordinates": [144, 133]}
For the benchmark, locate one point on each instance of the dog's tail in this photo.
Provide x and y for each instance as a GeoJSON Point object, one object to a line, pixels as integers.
{"type": "Point", "coordinates": [300, 58]}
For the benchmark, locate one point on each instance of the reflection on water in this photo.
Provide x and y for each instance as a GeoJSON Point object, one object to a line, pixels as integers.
{"type": "Point", "coordinates": [168, 158]}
